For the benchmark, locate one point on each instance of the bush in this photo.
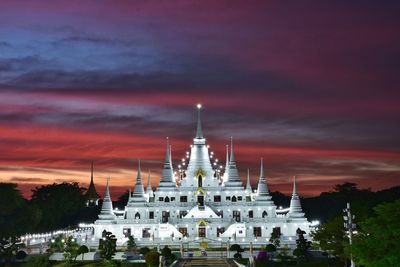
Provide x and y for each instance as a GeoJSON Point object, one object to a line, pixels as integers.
{"type": "Point", "coordinates": [82, 250]}
{"type": "Point", "coordinates": [152, 258]}
{"type": "Point", "coordinates": [21, 255]}
{"type": "Point", "coordinates": [144, 250]}
{"type": "Point", "coordinates": [166, 251]}
{"type": "Point", "coordinates": [237, 256]}
{"type": "Point", "coordinates": [262, 255]}
{"type": "Point", "coordinates": [38, 261]}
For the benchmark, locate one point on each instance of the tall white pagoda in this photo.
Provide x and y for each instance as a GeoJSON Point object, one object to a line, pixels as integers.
{"type": "Point", "coordinates": [201, 203]}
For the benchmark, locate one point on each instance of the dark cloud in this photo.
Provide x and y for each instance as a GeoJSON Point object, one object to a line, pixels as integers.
{"type": "Point", "coordinates": [109, 82]}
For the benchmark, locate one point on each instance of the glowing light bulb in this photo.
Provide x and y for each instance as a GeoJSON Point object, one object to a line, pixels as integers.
{"type": "Point", "coordinates": [199, 106]}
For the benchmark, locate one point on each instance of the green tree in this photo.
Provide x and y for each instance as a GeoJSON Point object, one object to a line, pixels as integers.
{"type": "Point", "coordinates": [131, 244]}
{"type": "Point", "coordinates": [166, 251]}
{"type": "Point", "coordinates": [144, 250]}
{"type": "Point", "coordinates": [284, 254]}
{"type": "Point", "coordinates": [330, 238]}
{"type": "Point", "coordinates": [275, 238]}
{"type": "Point", "coordinates": [302, 245]}
{"type": "Point", "coordinates": [57, 244]}
{"type": "Point", "coordinates": [82, 250]}
{"type": "Point", "coordinates": [238, 249]}
{"type": "Point", "coordinates": [107, 245]}
{"type": "Point", "coordinates": [67, 245]}
{"type": "Point", "coordinates": [70, 249]}
{"type": "Point", "coordinates": [152, 258]}
{"type": "Point", "coordinates": [270, 248]}
{"type": "Point", "coordinates": [377, 244]}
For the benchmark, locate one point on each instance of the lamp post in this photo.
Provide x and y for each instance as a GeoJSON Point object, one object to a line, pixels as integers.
{"type": "Point", "coordinates": [227, 248]}
{"type": "Point", "coordinates": [349, 226]}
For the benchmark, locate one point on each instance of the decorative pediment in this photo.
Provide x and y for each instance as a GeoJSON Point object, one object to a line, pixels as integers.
{"type": "Point", "coordinates": [200, 172]}
{"type": "Point", "coordinates": [202, 222]}
{"type": "Point", "coordinates": [199, 191]}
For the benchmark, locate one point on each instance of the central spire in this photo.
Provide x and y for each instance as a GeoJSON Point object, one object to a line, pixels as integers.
{"type": "Point", "coordinates": [199, 132]}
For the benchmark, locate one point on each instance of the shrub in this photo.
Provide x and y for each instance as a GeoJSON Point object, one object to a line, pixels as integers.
{"type": "Point", "coordinates": [38, 261]}
{"type": "Point", "coordinates": [144, 250]}
{"type": "Point", "coordinates": [152, 258]}
{"type": "Point", "coordinates": [262, 255]}
{"type": "Point", "coordinates": [21, 255]}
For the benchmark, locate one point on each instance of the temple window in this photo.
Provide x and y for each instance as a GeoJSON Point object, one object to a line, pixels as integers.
{"type": "Point", "coordinates": [127, 232]}
{"type": "Point", "coordinates": [217, 198]}
{"type": "Point", "coordinates": [182, 213]}
{"type": "Point", "coordinates": [146, 233]}
{"type": "Point", "coordinates": [250, 214]}
{"type": "Point", "coordinates": [236, 215]}
{"type": "Point", "coordinates": [183, 231]}
{"type": "Point", "coordinates": [264, 214]}
{"type": "Point", "coordinates": [220, 230]}
{"type": "Point", "coordinates": [257, 231]}
{"type": "Point", "coordinates": [165, 216]}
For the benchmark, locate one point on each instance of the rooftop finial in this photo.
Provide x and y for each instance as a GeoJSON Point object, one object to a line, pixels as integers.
{"type": "Point", "coordinates": [227, 158]}
{"type": "Point", "coordinates": [107, 193]}
{"type": "Point", "coordinates": [91, 176]}
{"type": "Point", "coordinates": [139, 175]}
{"type": "Point", "coordinates": [149, 183]}
{"type": "Point", "coordinates": [199, 132]}
{"type": "Point", "coordinates": [232, 158]}
{"type": "Point", "coordinates": [167, 154]}
{"type": "Point", "coordinates": [248, 185]}
{"type": "Point", "coordinates": [262, 168]}
{"type": "Point", "coordinates": [294, 186]}
{"type": "Point", "coordinates": [170, 155]}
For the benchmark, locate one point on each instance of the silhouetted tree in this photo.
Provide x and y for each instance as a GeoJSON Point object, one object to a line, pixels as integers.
{"type": "Point", "coordinates": [60, 205]}
{"type": "Point", "coordinates": [346, 187]}
{"type": "Point", "coordinates": [16, 215]}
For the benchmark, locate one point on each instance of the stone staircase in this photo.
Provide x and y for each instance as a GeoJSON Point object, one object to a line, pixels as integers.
{"type": "Point", "coordinates": [199, 262]}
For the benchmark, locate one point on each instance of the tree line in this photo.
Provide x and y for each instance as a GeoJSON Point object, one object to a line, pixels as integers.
{"type": "Point", "coordinates": [62, 205]}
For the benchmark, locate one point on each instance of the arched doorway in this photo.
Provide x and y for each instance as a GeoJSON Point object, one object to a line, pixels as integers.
{"type": "Point", "coordinates": [200, 181]}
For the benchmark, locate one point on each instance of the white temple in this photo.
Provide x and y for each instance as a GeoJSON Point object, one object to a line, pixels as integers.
{"type": "Point", "coordinates": [201, 205]}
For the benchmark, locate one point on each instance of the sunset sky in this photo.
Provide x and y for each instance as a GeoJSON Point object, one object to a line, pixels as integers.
{"type": "Point", "coordinates": [313, 87]}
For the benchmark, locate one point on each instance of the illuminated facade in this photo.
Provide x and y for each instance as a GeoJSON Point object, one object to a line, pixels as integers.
{"type": "Point", "coordinates": [201, 202]}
